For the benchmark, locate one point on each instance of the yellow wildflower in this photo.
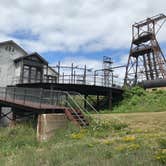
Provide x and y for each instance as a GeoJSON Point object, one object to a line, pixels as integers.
{"type": "Point", "coordinates": [129, 138]}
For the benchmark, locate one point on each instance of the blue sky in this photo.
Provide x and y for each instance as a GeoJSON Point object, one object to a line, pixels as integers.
{"type": "Point", "coordinates": [76, 31]}
{"type": "Point", "coordinates": [60, 56]}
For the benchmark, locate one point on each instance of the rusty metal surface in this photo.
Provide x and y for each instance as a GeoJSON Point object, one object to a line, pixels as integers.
{"type": "Point", "coordinates": [146, 60]}
{"type": "Point", "coordinates": [40, 100]}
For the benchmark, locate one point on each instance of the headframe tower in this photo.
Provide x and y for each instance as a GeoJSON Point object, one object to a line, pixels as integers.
{"type": "Point", "coordinates": [146, 60]}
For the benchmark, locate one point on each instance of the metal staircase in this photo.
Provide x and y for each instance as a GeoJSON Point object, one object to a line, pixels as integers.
{"type": "Point", "coordinates": [76, 111]}
{"type": "Point", "coordinates": [39, 101]}
{"type": "Point", "coordinates": [77, 117]}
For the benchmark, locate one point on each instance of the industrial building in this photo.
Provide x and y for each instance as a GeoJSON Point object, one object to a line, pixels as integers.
{"type": "Point", "coordinates": [17, 66]}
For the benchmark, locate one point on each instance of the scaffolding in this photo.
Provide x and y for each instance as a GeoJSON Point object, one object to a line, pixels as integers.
{"type": "Point", "coordinates": [107, 69]}
{"type": "Point", "coordinates": [75, 74]}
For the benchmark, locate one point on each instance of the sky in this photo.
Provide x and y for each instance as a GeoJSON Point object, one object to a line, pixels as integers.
{"type": "Point", "coordinates": [79, 31]}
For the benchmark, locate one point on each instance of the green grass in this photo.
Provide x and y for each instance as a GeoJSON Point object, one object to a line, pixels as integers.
{"type": "Point", "coordinates": [139, 100]}
{"type": "Point", "coordinates": [112, 139]}
{"type": "Point", "coordinates": [117, 139]}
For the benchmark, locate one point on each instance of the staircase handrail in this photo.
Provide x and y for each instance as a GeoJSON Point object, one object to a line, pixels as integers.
{"type": "Point", "coordinates": [77, 104]}
{"type": "Point", "coordinates": [76, 113]}
{"type": "Point", "coordinates": [86, 102]}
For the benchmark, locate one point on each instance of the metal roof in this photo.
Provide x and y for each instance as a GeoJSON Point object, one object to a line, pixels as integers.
{"type": "Point", "coordinates": [32, 54]}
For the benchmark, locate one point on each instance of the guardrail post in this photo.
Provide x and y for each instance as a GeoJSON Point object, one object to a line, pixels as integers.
{"type": "Point", "coordinates": [94, 77]}
{"type": "Point", "coordinates": [52, 97]}
{"type": "Point", "coordinates": [41, 94]}
{"type": "Point", "coordinates": [14, 95]}
{"type": "Point", "coordinates": [58, 101]}
{"type": "Point", "coordinates": [25, 92]}
{"type": "Point", "coordinates": [112, 80]}
{"type": "Point", "coordinates": [66, 100]}
{"type": "Point", "coordinates": [63, 78]}
{"type": "Point", "coordinates": [5, 93]}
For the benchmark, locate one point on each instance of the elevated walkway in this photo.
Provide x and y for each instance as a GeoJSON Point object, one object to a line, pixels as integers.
{"type": "Point", "coordinates": [37, 101]}
{"type": "Point", "coordinates": [80, 88]}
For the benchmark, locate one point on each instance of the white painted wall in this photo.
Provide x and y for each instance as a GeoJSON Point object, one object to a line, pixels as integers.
{"type": "Point", "coordinates": [8, 70]}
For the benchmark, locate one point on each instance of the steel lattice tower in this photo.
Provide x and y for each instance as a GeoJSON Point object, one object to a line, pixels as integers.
{"type": "Point", "coordinates": [146, 60]}
{"type": "Point", "coordinates": [107, 65]}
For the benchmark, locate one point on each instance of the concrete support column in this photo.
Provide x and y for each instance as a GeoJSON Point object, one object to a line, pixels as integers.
{"type": "Point", "coordinates": [48, 124]}
{"type": "Point", "coordinates": [13, 120]}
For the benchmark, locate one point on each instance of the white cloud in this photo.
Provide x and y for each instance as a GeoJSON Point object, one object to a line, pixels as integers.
{"type": "Point", "coordinates": [120, 72]}
{"type": "Point", "coordinates": [72, 25]}
{"type": "Point", "coordinates": [81, 61]}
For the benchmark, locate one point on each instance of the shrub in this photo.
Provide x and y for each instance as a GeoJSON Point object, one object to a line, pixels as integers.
{"type": "Point", "coordinates": [162, 143]}
{"type": "Point", "coordinates": [137, 99]}
{"type": "Point", "coordinates": [137, 91]}
{"type": "Point", "coordinates": [161, 156]}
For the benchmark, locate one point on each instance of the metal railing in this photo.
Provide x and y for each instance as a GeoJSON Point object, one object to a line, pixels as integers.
{"type": "Point", "coordinates": [43, 98]}
{"type": "Point", "coordinates": [94, 80]}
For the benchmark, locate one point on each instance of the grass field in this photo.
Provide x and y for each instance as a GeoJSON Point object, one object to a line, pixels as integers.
{"type": "Point", "coordinates": [129, 139]}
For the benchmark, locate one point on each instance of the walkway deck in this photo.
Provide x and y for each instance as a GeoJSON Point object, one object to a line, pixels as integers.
{"type": "Point", "coordinates": [30, 106]}
{"type": "Point", "coordinates": [37, 100]}
{"type": "Point", "coordinates": [80, 88]}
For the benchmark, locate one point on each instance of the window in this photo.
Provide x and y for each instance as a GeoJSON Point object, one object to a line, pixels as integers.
{"type": "Point", "coordinates": [26, 74]}
{"type": "Point", "coordinates": [38, 76]}
{"type": "Point", "coordinates": [9, 48]}
{"type": "Point", "coordinates": [33, 74]}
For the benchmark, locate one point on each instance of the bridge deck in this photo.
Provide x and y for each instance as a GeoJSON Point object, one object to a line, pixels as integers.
{"type": "Point", "coordinates": [28, 105]}
{"type": "Point", "coordinates": [41, 100]}
{"type": "Point", "coordinates": [81, 88]}
{"type": "Point", "coordinates": [35, 100]}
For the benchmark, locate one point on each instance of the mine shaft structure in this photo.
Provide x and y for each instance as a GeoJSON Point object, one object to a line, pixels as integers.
{"type": "Point", "coordinates": [146, 60]}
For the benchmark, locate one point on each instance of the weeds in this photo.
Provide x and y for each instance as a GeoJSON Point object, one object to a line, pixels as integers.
{"type": "Point", "coordinates": [161, 153]}
{"type": "Point", "coordinates": [115, 124]}
{"type": "Point", "coordinates": [162, 143]}
{"type": "Point", "coordinates": [109, 141]}
{"type": "Point", "coordinates": [161, 156]}
{"type": "Point", "coordinates": [139, 100]}
{"type": "Point", "coordinates": [129, 138]}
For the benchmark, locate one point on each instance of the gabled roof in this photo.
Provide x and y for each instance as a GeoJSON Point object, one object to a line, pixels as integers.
{"type": "Point", "coordinates": [12, 42]}
{"type": "Point", "coordinates": [53, 70]}
{"type": "Point", "coordinates": [39, 56]}
{"type": "Point", "coordinates": [32, 54]}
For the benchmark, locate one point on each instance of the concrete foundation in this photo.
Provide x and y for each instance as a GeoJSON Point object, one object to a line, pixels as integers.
{"type": "Point", "coordinates": [48, 124]}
